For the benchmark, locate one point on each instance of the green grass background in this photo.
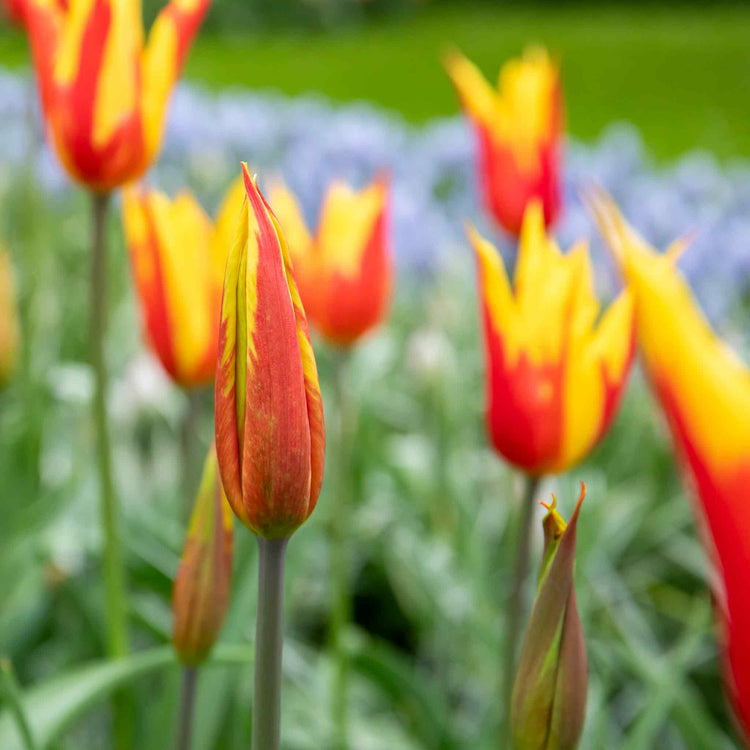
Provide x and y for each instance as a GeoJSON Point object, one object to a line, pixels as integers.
{"type": "Point", "coordinates": [680, 73]}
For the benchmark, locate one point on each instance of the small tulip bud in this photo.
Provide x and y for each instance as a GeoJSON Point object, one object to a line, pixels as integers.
{"type": "Point", "coordinates": [548, 707]}
{"type": "Point", "coordinates": [202, 585]}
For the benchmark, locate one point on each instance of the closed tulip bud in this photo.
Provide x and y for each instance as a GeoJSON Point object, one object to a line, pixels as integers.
{"type": "Point", "coordinates": [519, 133]}
{"type": "Point", "coordinates": [202, 586]}
{"type": "Point", "coordinates": [343, 271]}
{"type": "Point", "coordinates": [270, 435]}
{"type": "Point", "coordinates": [178, 258]}
{"type": "Point", "coordinates": [704, 392]}
{"type": "Point", "coordinates": [548, 706]}
{"type": "Point", "coordinates": [104, 88]}
{"type": "Point", "coordinates": [8, 320]}
{"type": "Point", "coordinates": [555, 371]}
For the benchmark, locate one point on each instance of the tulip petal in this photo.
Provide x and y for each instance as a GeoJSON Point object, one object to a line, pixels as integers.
{"type": "Point", "coordinates": [704, 390]}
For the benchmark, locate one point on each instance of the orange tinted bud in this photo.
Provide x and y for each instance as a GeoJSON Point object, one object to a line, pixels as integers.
{"type": "Point", "coordinates": [202, 586]}
{"type": "Point", "coordinates": [270, 435]}
{"type": "Point", "coordinates": [178, 259]}
{"type": "Point", "coordinates": [105, 88]}
{"type": "Point", "coordinates": [704, 392]}
{"type": "Point", "coordinates": [555, 371]}
{"type": "Point", "coordinates": [344, 271]}
{"type": "Point", "coordinates": [519, 131]}
{"type": "Point", "coordinates": [548, 707]}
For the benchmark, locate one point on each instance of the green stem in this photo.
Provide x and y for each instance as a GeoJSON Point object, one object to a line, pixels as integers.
{"type": "Point", "coordinates": [114, 576]}
{"type": "Point", "coordinates": [342, 607]}
{"type": "Point", "coordinates": [191, 460]}
{"type": "Point", "coordinates": [268, 645]}
{"type": "Point", "coordinates": [187, 708]}
{"type": "Point", "coordinates": [516, 603]}
{"type": "Point", "coordinates": [13, 697]}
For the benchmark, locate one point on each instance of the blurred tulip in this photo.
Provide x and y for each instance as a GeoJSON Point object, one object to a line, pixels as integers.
{"type": "Point", "coordinates": [549, 695]}
{"type": "Point", "coordinates": [104, 91]}
{"type": "Point", "coordinates": [519, 132]}
{"type": "Point", "coordinates": [202, 585]}
{"type": "Point", "coordinates": [270, 435]}
{"type": "Point", "coordinates": [344, 272]}
{"type": "Point", "coordinates": [8, 320]}
{"type": "Point", "coordinates": [554, 375]}
{"type": "Point", "coordinates": [178, 260]}
{"type": "Point", "coordinates": [704, 391]}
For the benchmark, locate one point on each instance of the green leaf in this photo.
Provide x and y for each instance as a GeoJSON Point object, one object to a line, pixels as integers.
{"type": "Point", "coordinates": [54, 706]}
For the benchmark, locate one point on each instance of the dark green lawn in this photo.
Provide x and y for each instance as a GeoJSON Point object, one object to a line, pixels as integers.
{"type": "Point", "coordinates": [681, 74]}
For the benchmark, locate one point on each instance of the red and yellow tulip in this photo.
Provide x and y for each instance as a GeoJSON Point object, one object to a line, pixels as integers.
{"type": "Point", "coordinates": [704, 391]}
{"type": "Point", "coordinates": [8, 319]}
{"type": "Point", "coordinates": [270, 435]}
{"type": "Point", "coordinates": [104, 88]}
{"type": "Point", "coordinates": [344, 271]}
{"type": "Point", "coordinates": [202, 586]}
{"type": "Point", "coordinates": [519, 132]}
{"type": "Point", "coordinates": [549, 693]}
{"type": "Point", "coordinates": [555, 374]}
{"type": "Point", "coordinates": [178, 258]}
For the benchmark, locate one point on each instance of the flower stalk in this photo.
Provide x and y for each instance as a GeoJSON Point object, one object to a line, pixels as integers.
{"type": "Point", "coordinates": [187, 708]}
{"type": "Point", "coordinates": [114, 576]}
{"type": "Point", "coordinates": [268, 644]}
{"type": "Point", "coordinates": [342, 607]}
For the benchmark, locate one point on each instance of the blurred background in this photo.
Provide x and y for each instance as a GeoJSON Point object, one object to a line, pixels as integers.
{"type": "Point", "coordinates": [657, 112]}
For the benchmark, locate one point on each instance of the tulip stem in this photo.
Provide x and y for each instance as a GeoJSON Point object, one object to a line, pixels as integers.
{"type": "Point", "coordinates": [341, 611]}
{"type": "Point", "coordinates": [268, 645]}
{"type": "Point", "coordinates": [516, 602]}
{"type": "Point", "coordinates": [191, 460]}
{"type": "Point", "coordinates": [114, 576]}
{"type": "Point", "coordinates": [187, 708]}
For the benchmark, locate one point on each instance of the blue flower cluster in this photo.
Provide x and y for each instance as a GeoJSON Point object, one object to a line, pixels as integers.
{"type": "Point", "coordinates": [308, 141]}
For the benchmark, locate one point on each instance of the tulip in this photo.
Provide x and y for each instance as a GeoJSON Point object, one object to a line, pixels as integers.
{"type": "Point", "coordinates": [8, 320]}
{"type": "Point", "coordinates": [519, 131]}
{"type": "Point", "coordinates": [178, 258]}
{"type": "Point", "coordinates": [344, 271]}
{"type": "Point", "coordinates": [104, 89]}
{"type": "Point", "coordinates": [269, 416]}
{"type": "Point", "coordinates": [549, 694]}
{"type": "Point", "coordinates": [704, 392]}
{"type": "Point", "coordinates": [270, 436]}
{"type": "Point", "coordinates": [201, 588]}
{"type": "Point", "coordinates": [554, 374]}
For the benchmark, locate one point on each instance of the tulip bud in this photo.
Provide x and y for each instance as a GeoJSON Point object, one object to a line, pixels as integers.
{"type": "Point", "coordinates": [201, 588]}
{"type": "Point", "coordinates": [548, 707]}
{"type": "Point", "coordinates": [270, 436]}
{"type": "Point", "coordinates": [8, 320]}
